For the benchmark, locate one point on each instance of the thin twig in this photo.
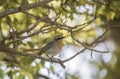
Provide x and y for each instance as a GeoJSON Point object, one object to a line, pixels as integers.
{"type": "Point", "coordinates": [85, 47]}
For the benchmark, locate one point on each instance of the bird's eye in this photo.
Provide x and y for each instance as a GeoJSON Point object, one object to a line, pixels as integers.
{"type": "Point", "coordinates": [58, 38]}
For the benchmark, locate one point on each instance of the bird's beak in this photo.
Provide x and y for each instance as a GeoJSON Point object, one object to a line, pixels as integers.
{"type": "Point", "coordinates": [63, 37]}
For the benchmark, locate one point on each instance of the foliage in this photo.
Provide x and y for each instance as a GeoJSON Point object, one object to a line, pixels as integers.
{"type": "Point", "coordinates": [29, 24]}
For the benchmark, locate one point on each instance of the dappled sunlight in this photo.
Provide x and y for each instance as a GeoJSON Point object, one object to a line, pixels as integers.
{"type": "Point", "coordinates": [59, 39]}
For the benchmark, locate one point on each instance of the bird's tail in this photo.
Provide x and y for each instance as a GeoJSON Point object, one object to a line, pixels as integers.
{"type": "Point", "coordinates": [31, 50]}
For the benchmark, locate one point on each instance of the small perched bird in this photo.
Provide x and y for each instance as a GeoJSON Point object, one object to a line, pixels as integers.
{"type": "Point", "coordinates": [50, 49]}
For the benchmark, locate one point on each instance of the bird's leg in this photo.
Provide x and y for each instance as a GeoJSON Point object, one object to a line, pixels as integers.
{"type": "Point", "coordinates": [50, 57]}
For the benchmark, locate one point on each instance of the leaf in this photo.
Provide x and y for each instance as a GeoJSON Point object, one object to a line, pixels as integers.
{"type": "Point", "coordinates": [1, 74]}
{"type": "Point", "coordinates": [26, 60]}
{"type": "Point", "coordinates": [42, 62]}
{"type": "Point", "coordinates": [30, 76]}
{"type": "Point", "coordinates": [52, 69]}
{"type": "Point", "coordinates": [82, 2]}
{"type": "Point", "coordinates": [12, 18]}
{"type": "Point", "coordinates": [8, 19]}
{"type": "Point", "coordinates": [20, 17]}
{"type": "Point", "coordinates": [74, 77]}
{"type": "Point", "coordinates": [110, 15]}
{"type": "Point", "coordinates": [98, 21]}
{"type": "Point", "coordinates": [100, 11]}
{"type": "Point", "coordinates": [30, 44]}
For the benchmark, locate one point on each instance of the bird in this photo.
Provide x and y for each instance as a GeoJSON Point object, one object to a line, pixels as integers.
{"type": "Point", "coordinates": [50, 49]}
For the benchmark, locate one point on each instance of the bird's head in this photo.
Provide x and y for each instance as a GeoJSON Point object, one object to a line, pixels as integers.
{"type": "Point", "coordinates": [59, 38]}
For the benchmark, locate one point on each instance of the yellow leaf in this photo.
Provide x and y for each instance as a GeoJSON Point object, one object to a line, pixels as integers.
{"type": "Point", "coordinates": [12, 18]}
{"type": "Point", "coordinates": [110, 15]}
{"type": "Point", "coordinates": [82, 2]}
{"type": "Point", "coordinates": [100, 11]}
{"type": "Point", "coordinates": [20, 16]}
{"type": "Point", "coordinates": [98, 21]}
{"type": "Point", "coordinates": [30, 75]}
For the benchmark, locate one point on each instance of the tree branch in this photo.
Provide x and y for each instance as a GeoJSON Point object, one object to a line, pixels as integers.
{"type": "Point", "coordinates": [23, 8]}
{"type": "Point", "coordinates": [86, 47]}
{"type": "Point", "coordinates": [7, 50]}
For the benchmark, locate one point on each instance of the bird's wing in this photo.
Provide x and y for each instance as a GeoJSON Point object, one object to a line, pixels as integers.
{"type": "Point", "coordinates": [46, 47]}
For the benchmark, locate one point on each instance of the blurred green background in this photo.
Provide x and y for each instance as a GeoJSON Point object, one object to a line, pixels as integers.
{"type": "Point", "coordinates": [88, 19]}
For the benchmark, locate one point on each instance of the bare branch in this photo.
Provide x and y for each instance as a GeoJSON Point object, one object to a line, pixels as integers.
{"type": "Point", "coordinates": [49, 21]}
{"type": "Point", "coordinates": [28, 29]}
{"type": "Point", "coordinates": [86, 47]}
{"type": "Point", "coordinates": [77, 27]}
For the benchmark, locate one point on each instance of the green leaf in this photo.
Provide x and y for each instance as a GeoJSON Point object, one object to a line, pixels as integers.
{"type": "Point", "coordinates": [30, 76]}
{"type": "Point", "coordinates": [30, 44]}
{"type": "Point", "coordinates": [1, 74]}
{"type": "Point", "coordinates": [52, 69]}
{"type": "Point", "coordinates": [42, 62]}
{"type": "Point", "coordinates": [74, 77]}
{"type": "Point", "coordinates": [26, 60]}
